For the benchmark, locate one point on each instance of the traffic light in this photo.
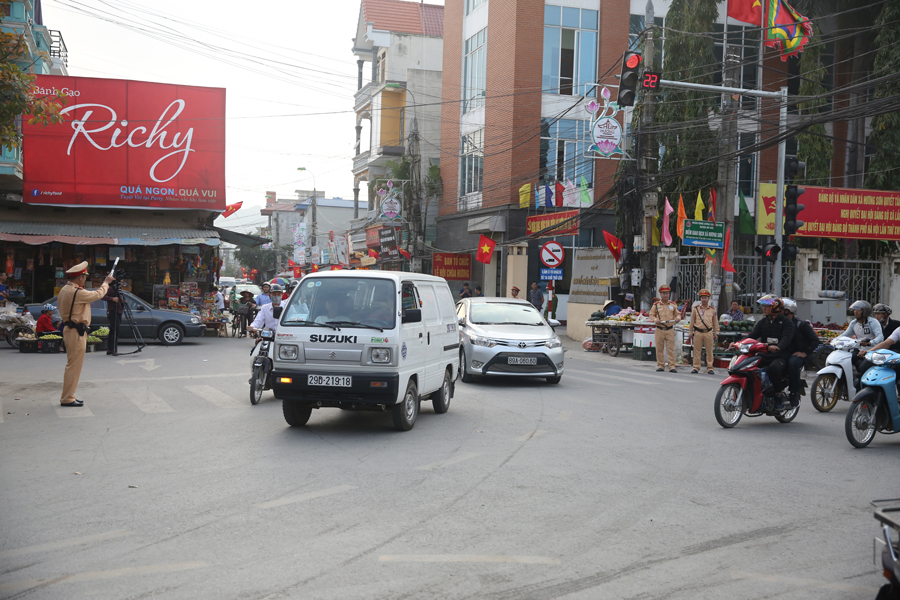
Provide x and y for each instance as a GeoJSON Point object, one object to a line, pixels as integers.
{"type": "Point", "coordinates": [789, 253]}
{"type": "Point", "coordinates": [791, 209]}
{"type": "Point", "coordinates": [792, 166]}
{"type": "Point", "coordinates": [628, 80]}
{"type": "Point", "coordinates": [769, 252]}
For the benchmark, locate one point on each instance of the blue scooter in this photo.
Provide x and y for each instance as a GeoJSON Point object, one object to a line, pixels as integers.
{"type": "Point", "coordinates": [874, 408]}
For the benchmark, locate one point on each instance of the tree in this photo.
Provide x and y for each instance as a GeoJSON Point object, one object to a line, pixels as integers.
{"type": "Point", "coordinates": [813, 147]}
{"type": "Point", "coordinates": [16, 89]}
{"type": "Point", "coordinates": [884, 174]}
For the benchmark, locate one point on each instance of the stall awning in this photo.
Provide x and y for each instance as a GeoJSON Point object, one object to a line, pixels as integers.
{"type": "Point", "coordinates": [239, 239]}
{"type": "Point", "coordinates": [34, 233]}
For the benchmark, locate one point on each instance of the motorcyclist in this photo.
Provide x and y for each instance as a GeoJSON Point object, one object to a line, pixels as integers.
{"type": "Point", "coordinates": [777, 332]}
{"type": "Point", "coordinates": [888, 325]}
{"type": "Point", "coordinates": [268, 315]}
{"type": "Point", "coordinates": [803, 345]}
{"type": "Point", "coordinates": [865, 329]}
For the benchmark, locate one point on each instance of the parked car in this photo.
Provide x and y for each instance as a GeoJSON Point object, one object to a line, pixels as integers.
{"type": "Point", "coordinates": [168, 326]}
{"type": "Point", "coordinates": [507, 337]}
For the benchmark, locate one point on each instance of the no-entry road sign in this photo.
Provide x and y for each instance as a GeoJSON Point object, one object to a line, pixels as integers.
{"type": "Point", "coordinates": [552, 254]}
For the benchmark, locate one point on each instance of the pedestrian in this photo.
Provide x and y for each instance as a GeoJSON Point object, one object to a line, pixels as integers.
{"type": "Point", "coordinates": [610, 308]}
{"type": "Point", "coordinates": [74, 304]}
{"type": "Point", "coordinates": [515, 292]}
{"type": "Point", "coordinates": [665, 314]}
{"type": "Point", "coordinates": [263, 298]}
{"type": "Point", "coordinates": [536, 297]}
{"type": "Point", "coordinates": [478, 293]}
{"type": "Point", "coordinates": [4, 291]}
{"type": "Point", "coordinates": [735, 313]}
{"type": "Point", "coordinates": [245, 310]}
{"type": "Point", "coordinates": [115, 306]}
{"type": "Point", "coordinates": [704, 329]}
{"type": "Point", "coordinates": [45, 321]}
{"type": "Point", "coordinates": [220, 299]}
{"type": "Point", "coordinates": [465, 292]}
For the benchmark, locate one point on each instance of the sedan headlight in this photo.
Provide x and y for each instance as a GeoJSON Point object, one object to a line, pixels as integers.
{"type": "Point", "coordinates": [876, 358]}
{"type": "Point", "coordinates": [195, 319]}
{"type": "Point", "coordinates": [381, 355]}
{"type": "Point", "coordinates": [287, 352]}
{"type": "Point", "coordinates": [483, 341]}
{"type": "Point", "coordinates": [554, 342]}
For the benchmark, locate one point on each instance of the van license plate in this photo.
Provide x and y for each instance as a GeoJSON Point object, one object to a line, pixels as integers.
{"type": "Point", "coordinates": [515, 360]}
{"type": "Point", "coordinates": [332, 380]}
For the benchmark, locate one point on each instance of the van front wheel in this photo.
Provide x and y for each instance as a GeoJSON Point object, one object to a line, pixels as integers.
{"type": "Point", "coordinates": [407, 410]}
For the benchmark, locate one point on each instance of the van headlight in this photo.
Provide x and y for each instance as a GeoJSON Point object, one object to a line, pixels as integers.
{"type": "Point", "coordinates": [287, 352]}
{"type": "Point", "coordinates": [554, 342]}
{"type": "Point", "coordinates": [483, 341]}
{"type": "Point", "coordinates": [381, 355]}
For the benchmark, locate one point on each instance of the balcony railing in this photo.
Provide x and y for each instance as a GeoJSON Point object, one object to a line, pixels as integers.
{"type": "Point", "coordinates": [362, 97]}
{"type": "Point", "coordinates": [58, 47]}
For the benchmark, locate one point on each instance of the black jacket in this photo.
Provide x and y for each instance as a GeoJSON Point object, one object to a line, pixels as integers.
{"type": "Point", "coordinates": [805, 338]}
{"type": "Point", "coordinates": [888, 329]}
{"type": "Point", "coordinates": [780, 329]}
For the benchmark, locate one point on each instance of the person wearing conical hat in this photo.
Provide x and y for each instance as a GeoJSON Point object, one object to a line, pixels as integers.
{"type": "Point", "coordinates": [704, 328]}
{"type": "Point", "coordinates": [665, 314]}
{"type": "Point", "coordinates": [74, 306]}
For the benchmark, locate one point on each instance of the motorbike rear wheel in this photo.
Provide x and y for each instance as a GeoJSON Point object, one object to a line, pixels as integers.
{"type": "Point", "coordinates": [788, 415]}
{"type": "Point", "coordinates": [728, 406]}
{"type": "Point", "coordinates": [257, 384]}
{"type": "Point", "coordinates": [822, 396]}
{"type": "Point", "coordinates": [860, 423]}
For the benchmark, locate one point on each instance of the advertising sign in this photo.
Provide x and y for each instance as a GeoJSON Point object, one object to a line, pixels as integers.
{"type": "Point", "coordinates": [367, 261]}
{"type": "Point", "coordinates": [540, 222]}
{"type": "Point", "coordinates": [452, 266]}
{"type": "Point", "coordinates": [342, 250]}
{"type": "Point", "coordinates": [372, 237]}
{"type": "Point", "coordinates": [388, 239]}
{"type": "Point", "coordinates": [128, 144]}
{"type": "Point", "coordinates": [593, 273]}
{"type": "Point", "coordinates": [705, 234]}
{"type": "Point", "coordinates": [837, 213]}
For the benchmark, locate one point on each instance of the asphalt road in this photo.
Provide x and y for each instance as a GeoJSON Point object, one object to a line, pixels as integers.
{"type": "Point", "coordinates": [616, 483]}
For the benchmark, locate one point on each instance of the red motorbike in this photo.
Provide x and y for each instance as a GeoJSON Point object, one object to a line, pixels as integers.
{"type": "Point", "coordinates": [743, 393]}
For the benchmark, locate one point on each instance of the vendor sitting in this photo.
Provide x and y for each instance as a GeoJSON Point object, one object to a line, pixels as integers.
{"type": "Point", "coordinates": [610, 308]}
{"type": "Point", "coordinates": [45, 321]}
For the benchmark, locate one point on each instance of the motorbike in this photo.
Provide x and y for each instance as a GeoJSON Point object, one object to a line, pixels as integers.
{"type": "Point", "coordinates": [874, 408]}
{"type": "Point", "coordinates": [833, 381]}
{"type": "Point", "coordinates": [887, 550]}
{"type": "Point", "coordinates": [262, 366]}
{"type": "Point", "coordinates": [742, 393]}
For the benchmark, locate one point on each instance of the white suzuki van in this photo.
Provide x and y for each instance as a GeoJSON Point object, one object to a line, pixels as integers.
{"type": "Point", "coordinates": [366, 340]}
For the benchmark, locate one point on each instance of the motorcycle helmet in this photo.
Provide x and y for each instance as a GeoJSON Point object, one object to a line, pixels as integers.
{"type": "Point", "coordinates": [51, 308]}
{"type": "Point", "coordinates": [275, 288]}
{"type": "Point", "coordinates": [790, 306]}
{"type": "Point", "coordinates": [882, 308]}
{"type": "Point", "coordinates": [777, 306]}
{"type": "Point", "coordinates": [766, 300]}
{"type": "Point", "coordinates": [864, 306]}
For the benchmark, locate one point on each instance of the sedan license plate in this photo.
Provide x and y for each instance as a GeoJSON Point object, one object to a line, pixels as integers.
{"type": "Point", "coordinates": [515, 360]}
{"type": "Point", "coordinates": [332, 380]}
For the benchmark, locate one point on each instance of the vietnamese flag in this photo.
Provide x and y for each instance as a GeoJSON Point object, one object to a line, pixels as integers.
{"type": "Point", "coordinates": [560, 190]}
{"type": "Point", "coordinates": [746, 11]}
{"type": "Point", "coordinates": [291, 263]}
{"type": "Point", "coordinates": [230, 209]}
{"type": "Point", "coordinates": [614, 244]}
{"type": "Point", "coordinates": [314, 269]}
{"type": "Point", "coordinates": [404, 253]}
{"type": "Point", "coordinates": [712, 204]}
{"type": "Point", "coordinates": [373, 253]}
{"type": "Point", "coordinates": [726, 264]}
{"type": "Point", "coordinates": [485, 250]}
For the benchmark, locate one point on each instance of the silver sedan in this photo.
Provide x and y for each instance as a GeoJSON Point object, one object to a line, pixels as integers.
{"type": "Point", "coordinates": [509, 338]}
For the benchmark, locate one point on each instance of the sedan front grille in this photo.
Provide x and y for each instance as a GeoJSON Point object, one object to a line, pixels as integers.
{"type": "Point", "coordinates": [514, 344]}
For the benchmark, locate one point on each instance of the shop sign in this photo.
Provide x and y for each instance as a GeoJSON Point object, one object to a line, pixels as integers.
{"type": "Point", "coordinates": [705, 234]}
{"type": "Point", "coordinates": [593, 273]}
{"type": "Point", "coordinates": [390, 201]}
{"type": "Point", "coordinates": [564, 226]}
{"type": "Point", "coordinates": [372, 237]}
{"type": "Point", "coordinates": [551, 274]}
{"type": "Point", "coordinates": [836, 213]}
{"type": "Point", "coordinates": [387, 237]}
{"type": "Point", "coordinates": [367, 261]}
{"type": "Point", "coordinates": [452, 266]}
{"type": "Point", "coordinates": [131, 144]}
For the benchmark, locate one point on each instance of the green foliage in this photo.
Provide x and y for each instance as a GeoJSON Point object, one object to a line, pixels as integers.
{"type": "Point", "coordinates": [883, 171]}
{"type": "Point", "coordinates": [261, 259]}
{"type": "Point", "coordinates": [813, 149]}
{"type": "Point", "coordinates": [688, 140]}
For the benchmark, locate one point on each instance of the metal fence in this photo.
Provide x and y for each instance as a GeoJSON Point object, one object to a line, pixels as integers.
{"type": "Point", "coordinates": [859, 279]}
{"type": "Point", "coordinates": [690, 276]}
{"type": "Point", "coordinates": [752, 276]}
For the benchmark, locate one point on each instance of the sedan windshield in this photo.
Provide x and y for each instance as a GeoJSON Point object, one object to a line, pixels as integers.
{"type": "Point", "coordinates": [496, 313]}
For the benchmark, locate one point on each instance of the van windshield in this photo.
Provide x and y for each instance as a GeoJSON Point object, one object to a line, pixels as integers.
{"type": "Point", "coordinates": [343, 301]}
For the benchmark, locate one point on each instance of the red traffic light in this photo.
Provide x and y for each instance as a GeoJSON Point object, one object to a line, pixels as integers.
{"type": "Point", "coordinates": [633, 61]}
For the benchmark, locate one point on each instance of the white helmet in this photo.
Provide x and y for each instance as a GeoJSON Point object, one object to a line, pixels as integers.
{"type": "Point", "coordinates": [790, 306]}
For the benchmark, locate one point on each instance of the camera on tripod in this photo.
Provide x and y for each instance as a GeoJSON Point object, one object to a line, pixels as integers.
{"type": "Point", "coordinates": [119, 275]}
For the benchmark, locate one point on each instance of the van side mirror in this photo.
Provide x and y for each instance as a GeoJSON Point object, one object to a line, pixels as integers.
{"type": "Point", "coordinates": [461, 321]}
{"type": "Point", "coordinates": [553, 323]}
{"type": "Point", "coordinates": [412, 315]}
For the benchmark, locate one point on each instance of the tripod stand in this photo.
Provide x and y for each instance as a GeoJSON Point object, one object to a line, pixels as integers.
{"type": "Point", "coordinates": [129, 318]}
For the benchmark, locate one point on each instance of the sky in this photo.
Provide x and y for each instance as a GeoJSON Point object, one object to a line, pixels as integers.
{"type": "Point", "coordinates": [286, 65]}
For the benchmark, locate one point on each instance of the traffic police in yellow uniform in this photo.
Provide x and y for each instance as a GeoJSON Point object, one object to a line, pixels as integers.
{"type": "Point", "coordinates": [704, 329]}
{"type": "Point", "coordinates": [74, 305]}
{"type": "Point", "coordinates": [665, 314]}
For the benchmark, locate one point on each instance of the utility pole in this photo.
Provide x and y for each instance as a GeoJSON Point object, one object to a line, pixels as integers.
{"type": "Point", "coordinates": [648, 164]}
{"type": "Point", "coordinates": [728, 168]}
{"type": "Point", "coordinates": [779, 194]}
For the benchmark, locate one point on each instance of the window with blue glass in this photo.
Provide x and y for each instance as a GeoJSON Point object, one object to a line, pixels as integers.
{"type": "Point", "coordinates": [473, 4]}
{"type": "Point", "coordinates": [474, 71]}
{"type": "Point", "coordinates": [471, 163]}
{"type": "Point", "coordinates": [563, 146]}
{"type": "Point", "coordinates": [570, 50]}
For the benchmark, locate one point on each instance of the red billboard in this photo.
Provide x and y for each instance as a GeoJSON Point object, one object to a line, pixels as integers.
{"type": "Point", "coordinates": [558, 223]}
{"type": "Point", "coordinates": [452, 266]}
{"type": "Point", "coordinates": [128, 144]}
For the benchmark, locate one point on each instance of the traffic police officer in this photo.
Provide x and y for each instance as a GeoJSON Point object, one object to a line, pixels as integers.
{"type": "Point", "coordinates": [704, 328]}
{"type": "Point", "coordinates": [74, 305]}
{"type": "Point", "coordinates": [665, 314]}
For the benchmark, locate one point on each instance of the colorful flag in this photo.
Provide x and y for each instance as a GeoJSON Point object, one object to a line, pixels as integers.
{"type": "Point", "coordinates": [746, 11]}
{"type": "Point", "coordinates": [548, 197]}
{"type": "Point", "coordinates": [698, 208]}
{"type": "Point", "coordinates": [746, 219]}
{"type": "Point", "coordinates": [560, 190]}
{"type": "Point", "coordinates": [786, 30]}
{"type": "Point", "coordinates": [712, 204]}
{"type": "Point", "coordinates": [525, 196]}
{"type": "Point", "coordinates": [585, 195]}
{"type": "Point", "coordinates": [726, 264]}
{"type": "Point", "coordinates": [230, 209]}
{"type": "Point", "coordinates": [667, 212]}
{"type": "Point", "coordinates": [537, 196]}
{"type": "Point", "coordinates": [314, 269]}
{"type": "Point", "coordinates": [373, 253]}
{"type": "Point", "coordinates": [291, 263]}
{"type": "Point", "coordinates": [406, 254]}
{"type": "Point", "coordinates": [614, 244]}
{"type": "Point", "coordinates": [679, 227]}
{"type": "Point", "coordinates": [570, 196]}
{"type": "Point", "coordinates": [485, 249]}
{"type": "Point", "coordinates": [654, 227]}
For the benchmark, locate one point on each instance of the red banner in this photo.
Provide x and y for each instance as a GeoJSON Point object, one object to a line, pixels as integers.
{"type": "Point", "coordinates": [372, 239]}
{"type": "Point", "coordinates": [126, 143]}
{"type": "Point", "coordinates": [452, 266]}
{"type": "Point", "coordinates": [537, 223]}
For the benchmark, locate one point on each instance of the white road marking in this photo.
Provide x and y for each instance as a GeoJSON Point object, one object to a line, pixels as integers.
{"type": "Point", "coordinates": [449, 461]}
{"type": "Point", "coordinates": [469, 558]}
{"type": "Point", "coordinates": [65, 543]}
{"type": "Point", "coordinates": [1, 411]}
{"type": "Point", "coordinates": [604, 379]}
{"type": "Point", "coordinates": [99, 575]}
{"type": "Point", "coordinates": [593, 380]}
{"type": "Point", "coordinates": [71, 412]}
{"type": "Point", "coordinates": [147, 401]}
{"type": "Point", "coordinates": [531, 435]}
{"type": "Point", "coordinates": [807, 583]}
{"type": "Point", "coordinates": [564, 415]}
{"type": "Point", "coordinates": [306, 496]}
{"type": "Point", "coordinates": [635, 375]}
{"type": "Point", "coordinates": [149, 363]}
{"type": "Point", "coordinates": [218, 398]}
{"type": "Point", "coordinates": [169, 378]}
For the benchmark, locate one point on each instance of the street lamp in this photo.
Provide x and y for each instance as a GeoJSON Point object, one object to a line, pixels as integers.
{"type": "Point", "coordinates": [313, 206]}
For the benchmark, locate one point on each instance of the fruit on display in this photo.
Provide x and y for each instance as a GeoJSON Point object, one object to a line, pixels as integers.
{"type": "Point", "coordinates": [27, 336]}
{"type": "Point", "coordinates": [102, 332]}
{"type": "Point", "coordinates": [93, 339]}
{"type": "Point", "coordinates": [51, 337]}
